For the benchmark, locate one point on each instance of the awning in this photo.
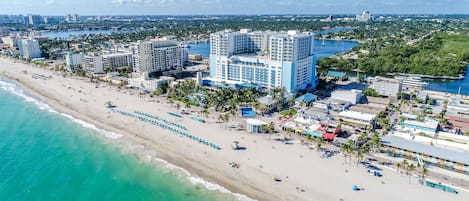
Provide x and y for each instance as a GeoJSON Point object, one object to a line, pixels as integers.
{"type": "Point", "coordinates": [328, 136]}
{"type": "Point", "coordinates": [314, 134]}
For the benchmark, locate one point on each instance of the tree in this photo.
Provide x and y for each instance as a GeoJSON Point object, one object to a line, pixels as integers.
{"type": "Point", "coordinates": [359, 155]}
{"type": "Point", "coordinates": [371, 92]}
{"type": "Point", "coordinates": [319, 143]}
{"type": "Point", "coordinates": [221, 118]}
{"type": "Point", "coordinates": [205, 112]}
{"type": "Point", "coordinates": [423, 172]}
{"type": "Point", "coordinates": [410, 168]}
{"type": "Point", "coordinates": [398, 165]}
{"type": "Point", "coordinates": [375, 141]}
{"type": "Point", "coordinates": [171, 102]}
{"type": "Point", "coordinates": [226, 119]}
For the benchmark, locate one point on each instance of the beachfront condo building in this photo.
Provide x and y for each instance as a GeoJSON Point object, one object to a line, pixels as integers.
{"type": "Point", "coordinates": [29, 48]}
{"type": "Point", "coordinates": [93, 63]}
{"type": "Point", "coordinates": [159, 55]}
{"type": "Point", "coordinates": [73, 60]}
{"type": "Point", "coordinates": [263, 58]}
{"type": "Point", "coordinates": [117, 61]}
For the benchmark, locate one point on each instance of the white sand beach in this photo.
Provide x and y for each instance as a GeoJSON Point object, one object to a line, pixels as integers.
{"type": "Point", "coordinates": [304, 174]}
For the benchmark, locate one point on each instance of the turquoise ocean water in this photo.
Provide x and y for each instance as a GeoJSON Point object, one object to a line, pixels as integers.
{"type": "Point", "coordinates": [45, 155]}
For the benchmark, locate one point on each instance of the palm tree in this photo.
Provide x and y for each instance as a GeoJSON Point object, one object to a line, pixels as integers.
{"type": "Point", "coordinates": [423, 172]}
{"type": "Point", "coordinates": [410, 168]}
{"type": "Point", "coordinates": [205, 112]}
{"type": "Point", "coordinates": [375, 141]}
{"type": "Point", "coordinates": [359, 155]}
{"type": "Point", "coordinates": [221, 117]}
{"type": "Point", "coordinates": [171, 102]}
{"type": "Point", "coordinates": [343, 151]}
{"type": "Point", "coordinates": [398, 165]}
{"type": "Point", "coordinates": [226, 119]}
{"type": "Point", "coordinates": [319, 144]}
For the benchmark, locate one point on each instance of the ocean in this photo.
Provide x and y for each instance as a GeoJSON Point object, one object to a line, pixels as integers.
{"type": "Point", "coordinates": [47, 155]}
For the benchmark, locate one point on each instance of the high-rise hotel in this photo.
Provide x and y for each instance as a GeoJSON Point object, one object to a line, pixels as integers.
{"type": "Point", "coordinates": [268, 59]}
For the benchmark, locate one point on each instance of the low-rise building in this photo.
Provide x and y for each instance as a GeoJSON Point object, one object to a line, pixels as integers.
{"type": "Point", "coordinates": [195, 57]}
{"type": "Point", "coordinates": [353, 96]}
{"type": "Point", "coordinates": [428, 126]}
{"type": "Point", "coordinates": [149, 85]}
{"type": "Point", "coordinates": [439, 157]}
{"type": "Point", "coordinates": [255, 126]}
{"type": "Point", "coordinates": [306, 99]}
{"type": "Point", "coordinates": [271, 103]}
{"type": "Point", "coordinates": [387, 86]}
{"type": "Point", "coordinates": [357, 119]}
{"type": "Point", "coordinates": [412, 83]}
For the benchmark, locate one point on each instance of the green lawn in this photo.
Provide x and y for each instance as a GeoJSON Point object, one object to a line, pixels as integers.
{"type": "Point", "coordinates": [456, 43]}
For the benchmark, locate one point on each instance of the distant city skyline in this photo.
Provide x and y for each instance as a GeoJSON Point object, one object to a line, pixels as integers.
{"type": "Point", "coordinates": [219, 7]}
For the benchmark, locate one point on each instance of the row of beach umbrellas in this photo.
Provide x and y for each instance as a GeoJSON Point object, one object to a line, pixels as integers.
{"type": "Point", "coordinates": [166, 126]}
{"type": "Point", "coordinates": [161, 119]}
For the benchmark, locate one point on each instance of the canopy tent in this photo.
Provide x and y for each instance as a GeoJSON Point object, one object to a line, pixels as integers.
{"type": "Point", "coordinates": [328, 136]}
{"type": "Point", "coordinates": [314, 134]}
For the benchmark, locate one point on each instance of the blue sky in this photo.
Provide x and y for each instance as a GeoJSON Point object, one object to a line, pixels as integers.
{"type": "Point", "coordinates": [182, 7]}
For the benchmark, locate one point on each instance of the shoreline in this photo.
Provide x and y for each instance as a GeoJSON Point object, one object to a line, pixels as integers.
{"type": "Point", "coordinates": [171, 158]}
{"type": "Point", "coordinates": [186, 168]}
{"type": "Point", "coordinates": [298, 166]}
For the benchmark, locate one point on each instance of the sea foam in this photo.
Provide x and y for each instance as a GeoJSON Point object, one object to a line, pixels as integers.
{"type": "Point", "coordinates": [195, 180]}
{"type": "Point", "coordinates": [17, 90]}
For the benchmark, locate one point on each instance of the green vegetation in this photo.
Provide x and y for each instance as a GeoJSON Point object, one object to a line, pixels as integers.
{"type": "Point", "coordinates": [441, 54]}
{"type": "Point", "coordinates": [371, 92]}
{"type": "Point", "coordinates": [289, 112]}
{"type": "Point", "coordinates": [223, 100]}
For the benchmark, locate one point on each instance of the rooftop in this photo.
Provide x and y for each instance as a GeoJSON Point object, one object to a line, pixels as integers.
{"type": "Point", "coordinates": [255, 122]}
{"type": "Point", "coordinates": [428, 123]}
{"type": "Point", "coordinates": [455, 156]}
{"type": "Point", "coordinates": [308, 97]}
{"type": "Point", "coordinates": [357, 115]}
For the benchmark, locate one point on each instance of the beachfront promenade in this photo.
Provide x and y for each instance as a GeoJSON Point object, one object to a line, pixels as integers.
{"type": "Point", "coordinates": [158, 122]}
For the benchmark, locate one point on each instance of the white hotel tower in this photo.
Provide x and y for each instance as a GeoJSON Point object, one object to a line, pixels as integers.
{"type": "Point", "coordinates": [268, 59]}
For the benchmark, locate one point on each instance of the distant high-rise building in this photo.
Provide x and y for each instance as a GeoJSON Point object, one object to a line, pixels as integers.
{"type": "Point", "coordinates": [159, 55]}
{"type": "Point", "coordinates": [365, 16]}
{"type": "Point", "coordinates": [50, 20]}
{"type": "Point", "coordinates": [75, 18]}
{"type": "Point", "coordinates": [68, 18]}
{"type": "Point", "coordinates": [268, 59]}
{"type": "Point", "coordinates": [34, 19]}
{"type": "Point", "coordinates": [29, 48]}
